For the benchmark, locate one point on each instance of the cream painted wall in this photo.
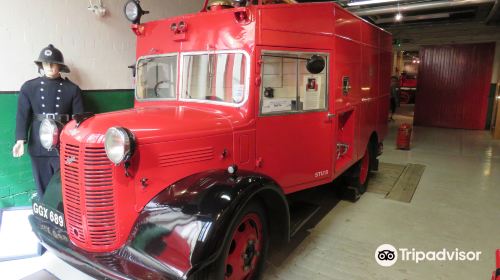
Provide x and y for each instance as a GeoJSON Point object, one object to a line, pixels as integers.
{"type": "Point", "coordinates": [97, 50]}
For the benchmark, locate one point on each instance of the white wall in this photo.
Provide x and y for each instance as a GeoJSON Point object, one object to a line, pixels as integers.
{"type": "Point", "coordinates": [97, 50]}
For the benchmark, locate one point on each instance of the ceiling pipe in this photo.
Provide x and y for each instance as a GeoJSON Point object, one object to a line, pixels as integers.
{"type": "Point", "coordinates": [418, 7]}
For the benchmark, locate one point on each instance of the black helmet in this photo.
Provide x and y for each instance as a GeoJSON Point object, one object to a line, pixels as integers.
{"type": "Point", "coordinates": [52, 55]}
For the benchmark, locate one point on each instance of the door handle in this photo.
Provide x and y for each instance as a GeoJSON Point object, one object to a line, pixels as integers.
{"type": "Point", "coordinates": [331, 115]}
{"type": "Point", "coordinates": [365, 99]}
{"type": "Point", "coordinates": [346, 87]}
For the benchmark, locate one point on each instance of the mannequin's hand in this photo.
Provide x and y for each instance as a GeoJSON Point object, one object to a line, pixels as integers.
{"type": "Point", "coordinates": [18, 149]}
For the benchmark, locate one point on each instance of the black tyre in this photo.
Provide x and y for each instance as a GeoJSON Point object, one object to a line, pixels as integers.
{"type": "Point", "coordinates": [244, 252]}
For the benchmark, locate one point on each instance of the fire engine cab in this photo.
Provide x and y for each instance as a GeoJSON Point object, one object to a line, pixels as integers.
{"type": "Point", "coordinates": [236, 107]}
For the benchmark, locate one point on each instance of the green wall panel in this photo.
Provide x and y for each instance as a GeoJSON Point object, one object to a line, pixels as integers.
{"type": "Point", "coordinates": [100, 102]}
{"type": "Point", "coordinates": [16, 179]}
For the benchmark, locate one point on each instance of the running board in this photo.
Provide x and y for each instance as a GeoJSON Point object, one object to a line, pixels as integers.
{"type": "Point", "coordinates": [300, 213]}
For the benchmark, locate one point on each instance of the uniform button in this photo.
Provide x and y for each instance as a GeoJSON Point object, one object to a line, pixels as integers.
{"type": "Point", "coordinates": [44, 113]}
{"type": "Point", "coordinates": [58, 98]}
{"type": "Point", "coordinates": [43, 97]}
{"type": "Point", "coordinates": [56, 113]}
{"type": "Point", "coordinates": [42, 82]}
{"type": "Point", "coordinates": [60, 84]}
{"type": "Point", "coordinates": [57, 105]}
{"type": "Point", "coordinates": [58, 90]}
{"type": "Point", "coordinates": [41, 89]}
{"type": "Point", "coordinates": [43, 105]}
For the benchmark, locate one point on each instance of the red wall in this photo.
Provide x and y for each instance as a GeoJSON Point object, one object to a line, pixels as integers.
{"type": "Point", "coordinates": [453, 85]}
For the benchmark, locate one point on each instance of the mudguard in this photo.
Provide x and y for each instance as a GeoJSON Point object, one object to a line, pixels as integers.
{"type": "Point", "coordinates": [187, 223]}
{"type": "Point", "coordinates": [179, 232]}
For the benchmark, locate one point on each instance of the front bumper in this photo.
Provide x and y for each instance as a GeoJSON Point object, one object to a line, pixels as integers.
{"type": "Point", "coordinates": [125, 263]}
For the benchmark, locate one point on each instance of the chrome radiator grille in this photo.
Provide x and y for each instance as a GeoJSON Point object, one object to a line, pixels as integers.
{"type": "Point", "coordinates": [89, 196]}
{"type": "Point", "coordinates": [71, 190]}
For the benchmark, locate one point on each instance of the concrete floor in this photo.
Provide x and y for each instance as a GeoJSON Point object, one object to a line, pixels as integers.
{"type": "Point", "coordinates": [456, 205]}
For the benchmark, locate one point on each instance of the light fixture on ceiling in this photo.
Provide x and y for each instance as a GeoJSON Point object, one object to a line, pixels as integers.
{"type": "Point", "coordinates": [398, 17]}
{"type": "Point", "coordinates": [369, 2]}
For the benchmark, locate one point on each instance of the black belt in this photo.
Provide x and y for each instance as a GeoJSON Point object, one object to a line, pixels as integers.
{"type": "Point", "coordinates": [64, 118]}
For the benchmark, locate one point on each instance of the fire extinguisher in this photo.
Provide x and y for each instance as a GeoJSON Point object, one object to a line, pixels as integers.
{"type": "Point", "coordinates": [496, 274]}
{"type": "Point", "coordinates": [404, 137]}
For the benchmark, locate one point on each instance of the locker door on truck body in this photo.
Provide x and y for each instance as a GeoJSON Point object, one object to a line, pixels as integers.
{"type": "Point", "coordinates": [370, 75]}
{"type": "Point", "coordinates": [347, 79]}
{"type": "Point", "coordinates": [294, 137]}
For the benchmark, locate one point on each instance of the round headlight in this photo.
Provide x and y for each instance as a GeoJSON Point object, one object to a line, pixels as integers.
{"type": "Point", "coordinates": [118, 143]}
{"type": "Point", "coordinates": [133, 11]}
{"type": "Point", "coordinates": [49, 134]}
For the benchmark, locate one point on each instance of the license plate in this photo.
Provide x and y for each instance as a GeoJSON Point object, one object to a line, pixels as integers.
{"type": "Point", "coordinates": [49, 214]}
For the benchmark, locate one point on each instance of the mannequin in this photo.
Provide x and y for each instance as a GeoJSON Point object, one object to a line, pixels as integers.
{"type": "Point", "coordinates": [49, 96]}
{"type": "Point", "coordinates": [51, 71]}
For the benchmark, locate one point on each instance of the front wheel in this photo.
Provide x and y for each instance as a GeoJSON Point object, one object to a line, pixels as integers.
{"type": "Point", "coordinates": [245, 250]}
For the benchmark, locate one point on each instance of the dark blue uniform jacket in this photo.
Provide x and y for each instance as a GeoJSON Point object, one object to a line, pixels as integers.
{"type": "Point", "coordinates": [44, 96]}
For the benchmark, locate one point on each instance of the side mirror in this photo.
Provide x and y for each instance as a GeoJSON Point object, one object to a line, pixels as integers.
{"type": "Point", "coordinates": [132, 67]}
{"type": "Point", "coordinates": [315, 64]}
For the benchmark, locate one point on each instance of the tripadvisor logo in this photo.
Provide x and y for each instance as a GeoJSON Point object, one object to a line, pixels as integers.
{"type": "Point", "coordinates": [387, 255]}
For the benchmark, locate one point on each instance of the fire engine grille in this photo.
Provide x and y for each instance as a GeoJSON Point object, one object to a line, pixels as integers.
{"type": "Point", "coordinates": [88, 183]}
{"type": "Point", "coordinates": [99, 197]}
{"type": "Point", "coordinates": [72, 192]}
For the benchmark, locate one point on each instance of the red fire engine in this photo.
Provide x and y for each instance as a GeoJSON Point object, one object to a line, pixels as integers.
{"type": "Point", "coordinates": [236, 107]}
{"type": "Point", "coordinates": [408, 88]}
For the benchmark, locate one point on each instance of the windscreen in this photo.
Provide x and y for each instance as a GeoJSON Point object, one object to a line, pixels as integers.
{"type": "Point", "coordinates": [156, 78]}
{"type": "Point", "coordinates": [216, 77]}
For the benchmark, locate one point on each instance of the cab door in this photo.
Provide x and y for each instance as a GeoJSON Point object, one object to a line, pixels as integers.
{"type": "Point", "coordinates": [294, 131]}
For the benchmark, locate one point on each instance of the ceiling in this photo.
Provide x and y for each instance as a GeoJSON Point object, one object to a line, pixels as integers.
{"type": "Point", "coordinates": [428, 22]}
{"type": "Point", "coordinates": [423, 12]}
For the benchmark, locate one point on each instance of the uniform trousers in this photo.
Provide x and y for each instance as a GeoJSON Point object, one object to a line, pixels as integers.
{"type": "Point", "coordinates": [43, 169]}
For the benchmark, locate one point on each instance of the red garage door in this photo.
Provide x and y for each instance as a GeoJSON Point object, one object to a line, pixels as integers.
{"type": "Point", "coordinates": [453, 85]}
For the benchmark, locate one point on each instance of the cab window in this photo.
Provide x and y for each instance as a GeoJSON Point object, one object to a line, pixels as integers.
{"type": "Point", "coordinates": [156, 77]}
{"type": "Point", "coordinates": [215, 77]}
{"type": "Point", "coordinates": [289, 86]}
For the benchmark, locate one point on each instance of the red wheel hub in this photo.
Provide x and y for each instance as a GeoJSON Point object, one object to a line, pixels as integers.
{"type": "Point", "coordinates": [365, 165]}
{"type": "Point", "coordinates": [245, 249]}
